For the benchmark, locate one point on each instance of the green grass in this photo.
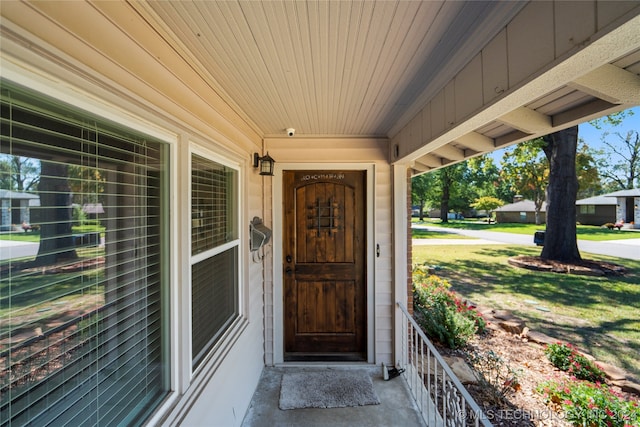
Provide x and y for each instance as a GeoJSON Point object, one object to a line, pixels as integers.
{"type": "Point", "coordinates": [29, 297]}
{"type": "Point", "coordinates": [584, 232]}
{"type": "Point", "coordinates": [31, 237]}
{"type": "Point", "coordinates": [600, 315]}
{"type": "Point", "coordinates": [418, 233]}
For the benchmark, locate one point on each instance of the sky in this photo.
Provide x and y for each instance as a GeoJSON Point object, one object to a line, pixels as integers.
{"type": "Point", "coordinates": [593, 136]}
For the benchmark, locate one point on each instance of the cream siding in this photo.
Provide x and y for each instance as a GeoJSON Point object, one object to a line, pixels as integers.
{"type": "Point", "coordinates": [324, 154]}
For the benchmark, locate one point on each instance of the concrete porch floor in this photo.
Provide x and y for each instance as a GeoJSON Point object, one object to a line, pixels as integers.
{"type": "Point", "coordinates": [396, 408]}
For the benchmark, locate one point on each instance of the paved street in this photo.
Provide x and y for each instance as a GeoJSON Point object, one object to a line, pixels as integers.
{"type": "Point", "coordinates": [629, 249]}
{"type": "Point", "coordinates": [10, 249]}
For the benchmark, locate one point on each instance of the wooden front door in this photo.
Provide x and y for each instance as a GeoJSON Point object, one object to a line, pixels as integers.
{"type": "Point", "coordinates": [324, 267]}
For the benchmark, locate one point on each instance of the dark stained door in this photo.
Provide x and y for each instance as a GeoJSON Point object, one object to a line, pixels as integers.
{"type": "Point", "coordinates": [324, 265]}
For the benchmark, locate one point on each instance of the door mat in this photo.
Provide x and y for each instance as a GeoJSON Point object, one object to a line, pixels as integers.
{"type": "Point", "coordinates": [327, 389]}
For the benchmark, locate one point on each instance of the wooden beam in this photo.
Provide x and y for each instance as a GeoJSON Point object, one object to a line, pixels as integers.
{"type": "Point", "coordinates": [476, 141]}
{"type": "Point", "coordinates": [611, 83]}
{"type": "Point", "coordinates": [430, 160]}
{"type": "Point", "coordinates": [449, 152]}
{"type": "Point", "coordinates": [527, 120]}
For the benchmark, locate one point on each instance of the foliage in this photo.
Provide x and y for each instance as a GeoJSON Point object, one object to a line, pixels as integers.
{"type": "Point", "coordinates": [496, 378]}
{"type": "Point", "coordinates": [588, 404]}
{"type": "Point", "coordinates": [442, 189]}
{"type": "Point", "coordinates": [619, 162]}
{"type": "Point", "coordinates": [589, 309]}
{"type": "Point", "coordinates": [483, 179]}
{"type": "Point", "coordinates": [567, 358]}
{"type": "Point", "coordinates": [19, 173]}
{"type": "Point", "coordinates": [487, 203]}
{"type": "Point", "coordinates": [422, 189]}
{"type": "Point", "coordinates": [589, 178]}
{"type": "Point", "coordinates": [87, 184]}
{"type": "Point", "coordinates": [452, 196]}
{"type": "Point", "coordinates": [440, 313]}
{"type": "Point", "coordinates": [79, 216]}
{"type": "Point", "coordinates": [527, 169]}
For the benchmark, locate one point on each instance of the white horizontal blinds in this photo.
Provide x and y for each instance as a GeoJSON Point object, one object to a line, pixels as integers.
{"type": "Point", "coordinates": [215, 297]}
{"type": "Point", "coordinates": [84, 343]}
{"type": "Point", "coordinates": [214, 239]}
{"type": "Point", "coordinates": [212, 202]}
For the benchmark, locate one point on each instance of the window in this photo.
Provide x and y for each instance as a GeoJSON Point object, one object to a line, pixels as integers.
{"type": "Point", "coordinates": [214, 250]}
{"type": "Point", "coordinates": [83, 268]}
{"type": "Point", "coordinates": [588, 209]}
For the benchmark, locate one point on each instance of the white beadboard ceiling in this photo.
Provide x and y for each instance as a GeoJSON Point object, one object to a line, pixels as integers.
{"type": "Point", "coordinates": [339, 68]}
{"type": "Point", "coordinates": [350, 68]}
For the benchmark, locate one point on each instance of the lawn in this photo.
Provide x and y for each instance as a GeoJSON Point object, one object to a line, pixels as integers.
{"type": "Point", "coordinates": [584, 232]}
{"type": "Point", "coordinates": [418, 233]}
{"type": "Point", "coordinates": [600, 315]}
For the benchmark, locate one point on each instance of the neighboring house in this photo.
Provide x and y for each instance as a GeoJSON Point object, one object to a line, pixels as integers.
{"type": "Point", "coordinates": [522, 211]}
{"type": "Point", "coordinates": [597, 210]}
{"type": "Point", "coordinates": [169, 102]}
{"type": "Point", "coordinates": [627, 206]}
{"type": "Point", "coordinates": [15, 209]}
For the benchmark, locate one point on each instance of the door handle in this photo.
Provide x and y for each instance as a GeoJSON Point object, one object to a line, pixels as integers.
{"type": "Point", "coordinates": [288, 270]}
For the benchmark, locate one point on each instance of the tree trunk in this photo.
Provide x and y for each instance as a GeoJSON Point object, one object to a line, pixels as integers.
{"type": "Point", "coordinates": [56, 239]}
{"type": "Point", "coordinates": [444, 202]}
{"type": "Point", "coordinates": [560, 243]}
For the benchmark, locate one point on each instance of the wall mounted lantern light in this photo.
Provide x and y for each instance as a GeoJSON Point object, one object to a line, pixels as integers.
{"type": "Point", "coordinates": [265, 163]}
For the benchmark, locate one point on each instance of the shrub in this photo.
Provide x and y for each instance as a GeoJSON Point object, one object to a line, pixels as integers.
{"type": "Point", "coordinates": [588, 404]}
{"type": "Point", "coordinates": [567, 358]}
{"type": "Point", "coordinates": [495, 377]}
{"type": "Point", "coordinates": [442, 315]}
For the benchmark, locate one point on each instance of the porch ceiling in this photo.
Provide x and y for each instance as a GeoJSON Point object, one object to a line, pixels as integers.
{"type": "Point", "coordinates": [367, 68]}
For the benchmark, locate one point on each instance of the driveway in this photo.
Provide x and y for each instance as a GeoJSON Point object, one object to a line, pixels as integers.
{"type": "Point", "coordinates": [629, 249]}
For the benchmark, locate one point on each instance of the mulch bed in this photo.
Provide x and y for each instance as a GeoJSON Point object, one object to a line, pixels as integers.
{"type": "Point", "coordinates": [584, 267]}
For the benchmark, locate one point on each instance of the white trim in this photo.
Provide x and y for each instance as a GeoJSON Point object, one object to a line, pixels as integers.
{"type": "Point", "coordinates": [278, 317]}
{"type": "Point", "coordinates": [233, 330]}
{"type": "Point", "coordinates": [400, 259]}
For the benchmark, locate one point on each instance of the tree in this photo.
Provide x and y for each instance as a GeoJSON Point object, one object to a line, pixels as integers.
{"type": "Point", "coordinates": [441, 188]}
{"type": "Point", "coordinates": [619, 161]}
{"type": "Point", "coordinates": [19, 173]}
{"type": "Point", "coordinates": [421, 188]}
{"type": "Point", "coordinates": [526, 168]}
{"type": "Point", "coordinates": [449, 179]}
{"type": "Point", "coordinates": [487, 203]}
{"type": "Point", "coordinates": [590, 183]}
{"type": "Point", "coordinates": [56, 238]}
{"type": "Point", "coordinates": [623, 173]}
{"type": "Point", "coordinates": [560, 243]}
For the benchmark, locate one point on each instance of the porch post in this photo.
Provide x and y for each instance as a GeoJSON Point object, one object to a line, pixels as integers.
{"type": "Point", "coordinates": [402, 249]}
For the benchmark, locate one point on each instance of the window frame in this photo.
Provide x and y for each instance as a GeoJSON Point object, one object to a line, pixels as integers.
{"type": "Point", "coordinates": [109, 109]}
{"type": "Point", "coordinates": [233, 329]}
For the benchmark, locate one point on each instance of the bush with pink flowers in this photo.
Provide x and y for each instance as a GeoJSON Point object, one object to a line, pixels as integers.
{"type": "Point", "coordinates": [591, 404]}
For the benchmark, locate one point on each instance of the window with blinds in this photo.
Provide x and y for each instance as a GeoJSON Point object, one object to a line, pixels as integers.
{"type": "Point", "coordinates": [214, 250]}
{"type": "Point", "coordinates": [83, 267]}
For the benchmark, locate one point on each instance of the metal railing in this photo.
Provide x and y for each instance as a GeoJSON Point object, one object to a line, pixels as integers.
{"type": "Point", "coordinates": [440, 396]}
